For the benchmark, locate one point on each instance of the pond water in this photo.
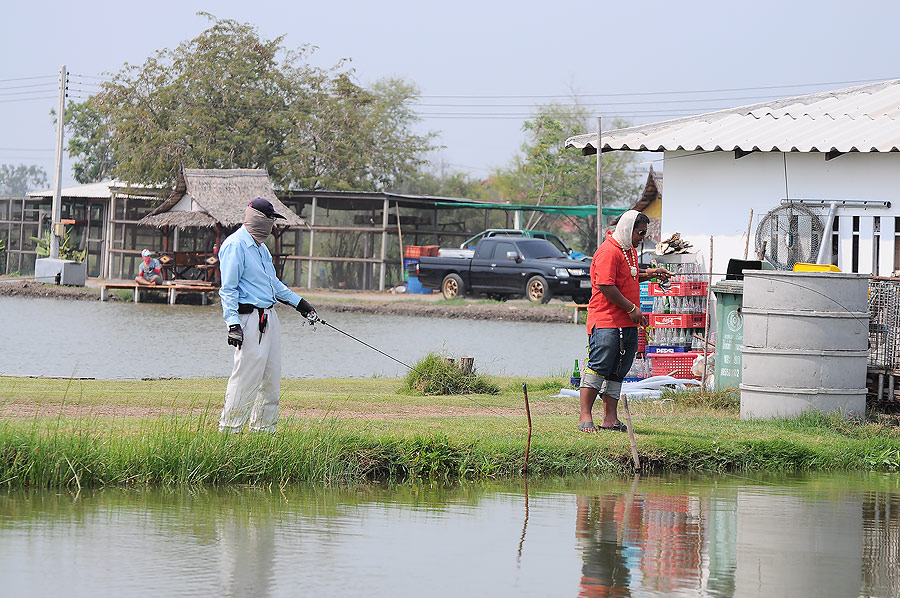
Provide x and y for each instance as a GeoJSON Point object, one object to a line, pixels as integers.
{"type": "Point", "coordinates": [114, 340]}
{"type": "Point", "coordinates": [832, 535]}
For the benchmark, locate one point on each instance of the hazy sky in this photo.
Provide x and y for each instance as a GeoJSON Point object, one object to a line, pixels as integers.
{"type": "Point", "coordinates": [481, 66]}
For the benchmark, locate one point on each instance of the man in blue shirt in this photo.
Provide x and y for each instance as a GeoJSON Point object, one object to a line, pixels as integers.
{"type": "Point", "coordinates": [249, 291]}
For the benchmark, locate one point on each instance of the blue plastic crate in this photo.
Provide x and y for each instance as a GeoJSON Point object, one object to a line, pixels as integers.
{"type": "Point", "coordinates": [666, 349]}
{"type": "Point", "coordinates": [415, 287]}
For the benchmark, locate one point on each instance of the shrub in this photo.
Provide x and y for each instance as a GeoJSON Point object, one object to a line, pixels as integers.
{"type": "Point", "coordinates": [435, 375]}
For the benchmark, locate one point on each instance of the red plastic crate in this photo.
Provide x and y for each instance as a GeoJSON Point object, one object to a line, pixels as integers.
{"type": "Point", "coordinates": [674, 364]}
{"type": "Point", "coordinates": [642, 339]}
{"type": "Point", "coordinates": [412, 251]}
{"type": "Point", "coordinates": [678, 320]}
{"type": "Point", "coordinates": [679, 289]}
{"type": "Point", "coordinates": [430, 250]}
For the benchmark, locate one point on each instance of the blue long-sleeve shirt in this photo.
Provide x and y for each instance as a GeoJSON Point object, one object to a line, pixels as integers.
{"type": "Point", "coordinates": [248, 276]}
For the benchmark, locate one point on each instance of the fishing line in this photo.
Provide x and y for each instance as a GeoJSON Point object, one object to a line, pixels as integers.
{"type": "Point", "coordinates": [796, 284]}
{"type": "Point", "coordinates": [314, 318]}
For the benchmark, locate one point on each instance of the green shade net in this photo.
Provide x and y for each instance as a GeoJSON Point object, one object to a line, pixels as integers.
{"type": "Point", "coordinates": [581, 211]}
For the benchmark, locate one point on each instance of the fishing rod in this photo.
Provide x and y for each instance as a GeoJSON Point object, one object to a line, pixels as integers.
{"type": "Point", "coordinates": [313, 318]}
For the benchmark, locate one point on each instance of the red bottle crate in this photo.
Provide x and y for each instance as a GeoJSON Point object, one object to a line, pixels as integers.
{"type": "Point", "coordinates": [674, 364]}
{"type": "Point", "coordinates": [679, 289]}
{"type": "Point", "coordinates": [412, 251]}
{"type": "Point", "coordinates": [678, 320]}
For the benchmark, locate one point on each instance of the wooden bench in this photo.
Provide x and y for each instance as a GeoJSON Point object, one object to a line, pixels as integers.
{"type": "Point", "coordinates": [178, 264]}
{"type": "Point", "coordinates": [172, 289]}
{"type": "Point", "coordinates": [578, 309]}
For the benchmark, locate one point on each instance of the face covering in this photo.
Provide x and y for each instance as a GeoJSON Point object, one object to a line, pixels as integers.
{"type": "Point", "coordinates": [624, 229]}
{"type": "Point", "coordinates": [258, 225]}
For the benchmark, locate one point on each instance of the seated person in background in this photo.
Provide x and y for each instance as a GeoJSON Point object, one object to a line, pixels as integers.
{"type": "Point", "coordinates": [150, 271]}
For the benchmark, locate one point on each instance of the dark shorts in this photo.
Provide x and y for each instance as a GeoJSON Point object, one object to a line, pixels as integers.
{"type": "Point", "coordinates": [605, 355]}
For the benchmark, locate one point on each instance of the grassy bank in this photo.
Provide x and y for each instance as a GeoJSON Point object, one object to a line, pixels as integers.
{"type": "Point", "coordinates": [82, 433]}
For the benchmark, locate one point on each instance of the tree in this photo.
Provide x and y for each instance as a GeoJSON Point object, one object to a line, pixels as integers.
{"type": "Point", "coordinates": [231, 99]}
{"type": "Point", "coordinates": [90, 141]}
{"type": "Point", "coordinates": [19, 180]}
{"type": "Point", "coordinates": [544, 172]}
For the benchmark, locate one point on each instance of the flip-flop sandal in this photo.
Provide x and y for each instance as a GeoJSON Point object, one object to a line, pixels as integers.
{"type": "Point", "coordinates": [619, 427]}
{"type": "Point", "coordinates": [587, 427]}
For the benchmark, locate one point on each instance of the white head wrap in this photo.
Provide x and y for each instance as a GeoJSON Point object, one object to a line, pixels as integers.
{"type": "Point", "coordinates": [624, 228]}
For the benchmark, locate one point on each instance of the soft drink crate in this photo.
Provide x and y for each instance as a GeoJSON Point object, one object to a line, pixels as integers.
{"type": "Point", "coordinates": [657, 349]}
{"type": "Point", "coordinates": [680, 289]}
{"type": "Point", "coordinates": [431, 250]}
{"type": "Point", "coordinates": [674, 364]}
{"type": "Point", "coordinates": [678, 320]}
{"type": "Point", "coordinates": [645, 291]}
{"type": "Point", "coordinates": [642, 338]}
{"type": "Point", "coordinates": [414, 251]}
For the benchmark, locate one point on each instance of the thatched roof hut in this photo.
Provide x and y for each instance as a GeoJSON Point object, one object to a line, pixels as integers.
{"type": "Point", "coordinates": [210, 197]}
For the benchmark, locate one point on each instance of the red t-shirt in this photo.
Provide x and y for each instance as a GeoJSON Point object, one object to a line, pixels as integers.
{"type": "Point", "coordinates": [609, 267]}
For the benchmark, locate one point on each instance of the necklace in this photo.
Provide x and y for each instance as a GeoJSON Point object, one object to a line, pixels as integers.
{"type": "Point", "coordinates": [631, 268]}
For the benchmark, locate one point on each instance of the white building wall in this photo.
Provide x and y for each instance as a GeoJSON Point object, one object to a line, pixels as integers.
{"type": "Point", "coordinates": [712, 194]}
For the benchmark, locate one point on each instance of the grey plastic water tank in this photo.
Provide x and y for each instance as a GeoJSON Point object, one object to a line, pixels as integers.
{"type": "Point", "coordinates": [805, 343]}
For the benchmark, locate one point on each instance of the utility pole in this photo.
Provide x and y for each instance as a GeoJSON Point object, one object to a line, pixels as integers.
{"type": "Point", "coordinates": [57, 228]}
{"type": "Point", "coordinates": [599, 186]}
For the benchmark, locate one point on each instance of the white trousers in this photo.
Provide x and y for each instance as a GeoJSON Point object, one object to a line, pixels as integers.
{"type": "Point", "coordinates": [254, 387]}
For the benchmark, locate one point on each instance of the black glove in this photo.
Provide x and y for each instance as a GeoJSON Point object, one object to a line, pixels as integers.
{"type": "Point", "coordinates": [305, 308]}
{"type": "Point", "coordinates": [235, 335]}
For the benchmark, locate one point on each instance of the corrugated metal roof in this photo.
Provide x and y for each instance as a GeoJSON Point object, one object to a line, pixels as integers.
{"type": "Point", "coordinates": [865, 118]}
{"type": "Point", "coordinates": [88, 191]}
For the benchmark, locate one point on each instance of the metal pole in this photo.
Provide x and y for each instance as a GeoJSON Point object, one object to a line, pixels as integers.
{"type": "Point", "coordinates": [312, 243]}
{"type": "Point", "coordinates": [55, 232]}
{"type": "Point", "coordinates": [400, 240]}
{"type": "Point", "coordinates": [385, 211]}
{"type": "Point", "coordinates": [825, 243]}
{"type": "Point", "coordinates": [599, 186]}
{"type": "Point", "coordinates": [747, 241]}
{"type": "Point", "coordinates": [706, 318]}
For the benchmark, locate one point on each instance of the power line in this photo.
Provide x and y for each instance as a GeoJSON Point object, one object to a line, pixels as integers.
{"type": "Point", "coordinates": [651, 93]}
{"type": "Point", "coordinates": [49, 85]}
{"type": "Point", "coordinates": [575, 104]}
{"type": "Point", "coordinates": [29, 99]}
{"type": "Point", "coordinates": [30, 78]}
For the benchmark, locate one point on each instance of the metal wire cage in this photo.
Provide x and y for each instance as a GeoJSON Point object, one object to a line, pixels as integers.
{"type": "Point", "coordinates": [884, 325]}
{"type": "Point", "coordinates": [789, 234]}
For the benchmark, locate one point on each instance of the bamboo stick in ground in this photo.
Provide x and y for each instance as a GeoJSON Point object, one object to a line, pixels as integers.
{"type": "Point", "coordinates": [634, 452]}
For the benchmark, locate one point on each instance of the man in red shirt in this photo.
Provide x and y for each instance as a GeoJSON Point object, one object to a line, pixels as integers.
{"type": "Point", "coordinates": [614, 313]}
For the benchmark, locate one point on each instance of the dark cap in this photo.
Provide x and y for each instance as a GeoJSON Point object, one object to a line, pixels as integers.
{"type": "Point", "coordinates": [265, 206]}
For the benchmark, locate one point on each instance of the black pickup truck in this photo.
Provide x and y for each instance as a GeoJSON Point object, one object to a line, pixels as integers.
{"type": "Point", "coordinates": [507, 266]}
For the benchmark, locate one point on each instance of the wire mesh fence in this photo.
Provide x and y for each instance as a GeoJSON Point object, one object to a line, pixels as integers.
{"type": "Point", "coordinates": [884, 324]}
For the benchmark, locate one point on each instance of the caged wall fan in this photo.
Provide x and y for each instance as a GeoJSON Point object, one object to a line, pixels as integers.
{"type": "Point", "coordinates": [789, 234]}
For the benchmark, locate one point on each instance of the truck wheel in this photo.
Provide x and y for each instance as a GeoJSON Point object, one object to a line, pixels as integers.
{"type": "Point", "coordinates": [453, 286]}
{"type": "Point", "coordinates": [537, 290]}
{"type": "Point", "coordinates": [581, 299]}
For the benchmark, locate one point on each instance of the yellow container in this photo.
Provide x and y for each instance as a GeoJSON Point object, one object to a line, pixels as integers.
{"type": "Point", "coordinates": [802, 267]}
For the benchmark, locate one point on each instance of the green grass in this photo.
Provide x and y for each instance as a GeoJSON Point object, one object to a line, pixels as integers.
{"type": "Point", "coordinates": [435, 375]}
{"type": "Point", "coordinates": [90, 433]}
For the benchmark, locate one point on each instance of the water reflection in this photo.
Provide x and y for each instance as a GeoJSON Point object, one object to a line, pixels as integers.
{"type": "Point", "coordinates": [670, 536]}
{"type": "Point", "coordinates": [765, 540]}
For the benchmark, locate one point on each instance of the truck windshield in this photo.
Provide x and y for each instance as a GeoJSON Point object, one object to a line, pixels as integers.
{"type": "Point", "coordinates": [538, 248]}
